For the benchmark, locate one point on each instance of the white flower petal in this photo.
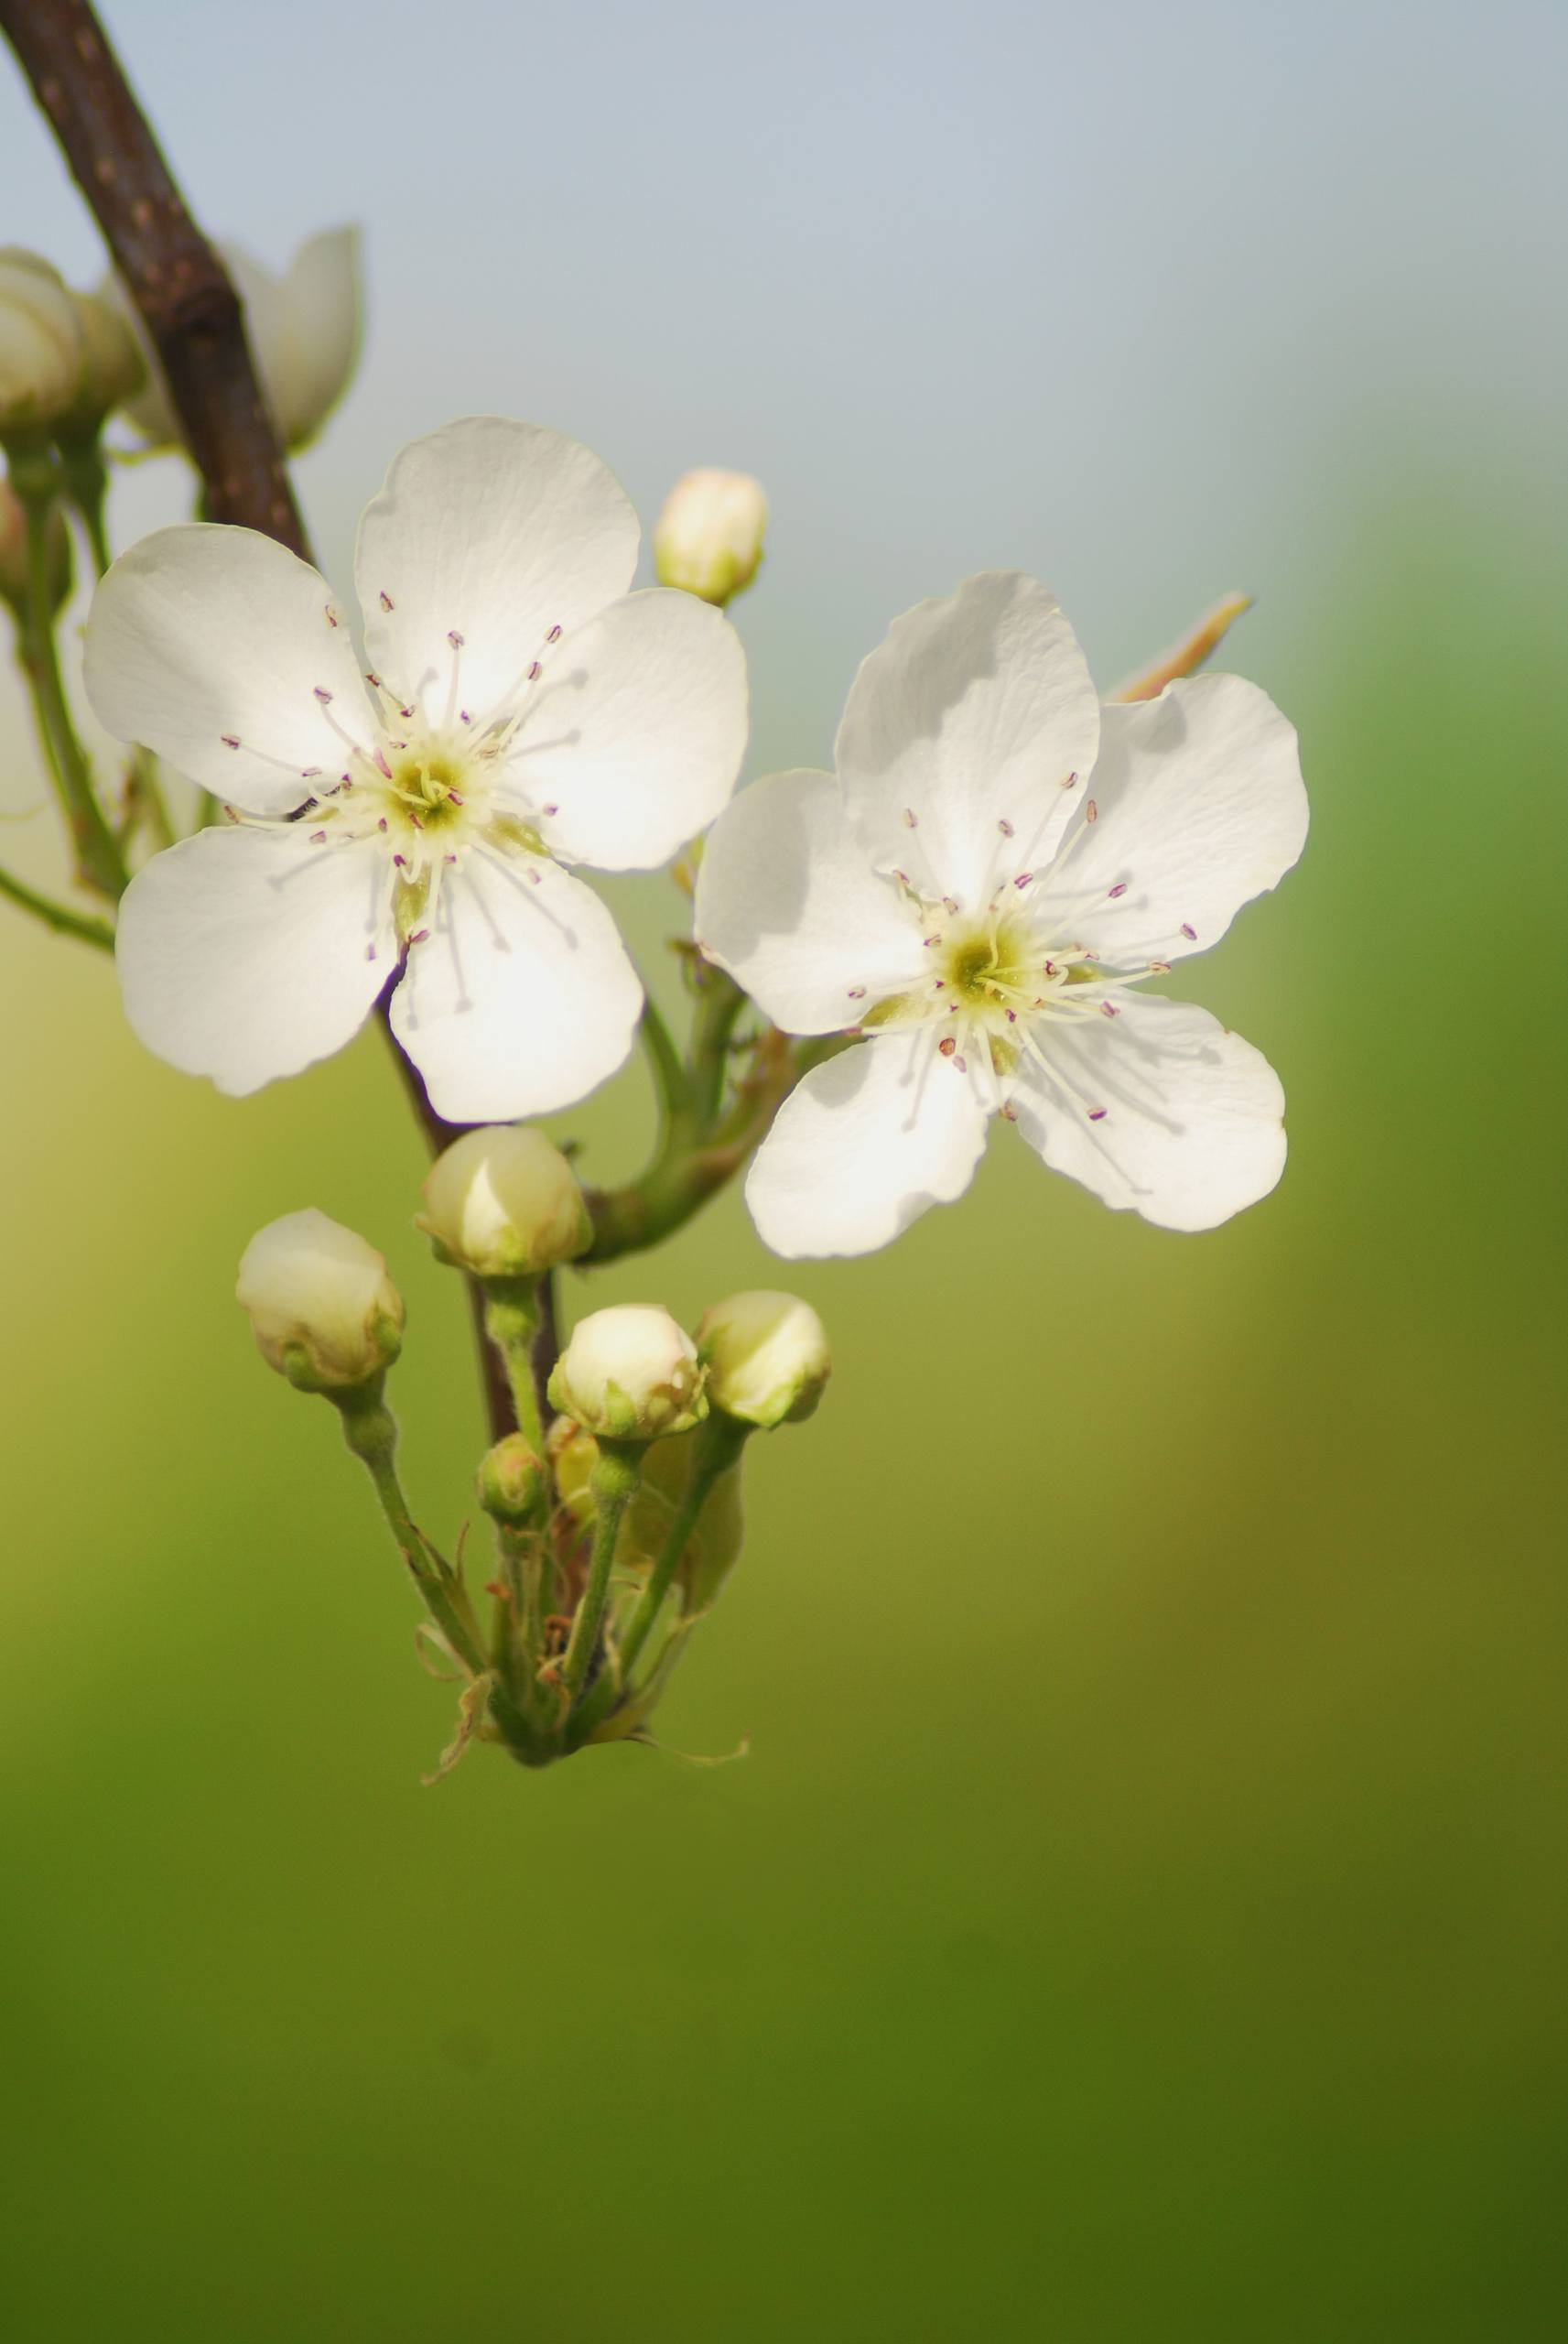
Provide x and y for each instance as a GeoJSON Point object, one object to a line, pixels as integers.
{"type": "Point", "coordinates": [788, 903]}
{"type": "Point", "coordinates": [972, 714]}
{"type": "Point", "coordinates": [863, 1146]}
{"type": "Point", "coordinates": [321, 322]}
{"type": "Point", "coordinates": [1193, 1126]}
{"type": "Point", "coordinates": [213, 646]}
{"type": "Point", "coordinates": [1200, 806]}
{"type": "Point", "coordinates": [635, 734]}
{"type": "Point", "coordinates": [496, 532]}
{"type": "Point", "coordinates": [243, 953]}
{"type": "Point", "coordinates": [522, 998]}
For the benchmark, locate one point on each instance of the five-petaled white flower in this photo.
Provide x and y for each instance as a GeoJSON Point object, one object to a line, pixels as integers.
{"type": "Point", "coordinates": [525, 712]}
{"type": "Point", "coordinates": [997, 864]}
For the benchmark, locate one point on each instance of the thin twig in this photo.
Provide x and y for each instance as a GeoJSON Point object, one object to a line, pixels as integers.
{"type": "Point", "coordinates": [194, 319]}
{"type": "Point", "coordinates": [178, 284]}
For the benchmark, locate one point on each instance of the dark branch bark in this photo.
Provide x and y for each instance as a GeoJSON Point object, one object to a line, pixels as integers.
{"type": "Point", "coordinates": [195, 324]}
{"type": "Point", "coordinates": [178, 284]}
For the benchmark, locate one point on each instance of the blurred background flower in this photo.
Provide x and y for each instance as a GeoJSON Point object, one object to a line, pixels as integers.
{"type": "Point", "coordinates": [1141, 1914]}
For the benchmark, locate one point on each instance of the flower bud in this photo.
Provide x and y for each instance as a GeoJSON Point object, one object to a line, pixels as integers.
{"type": "Point", "coordinates": [630, 1373]}
{"type": "Point", "coordinates": [14, 553]}
{"type": "Point", "coordinates": [113, 368]}
{"type": "Point", "coordinates": [708, 540]}
{"type": "Point", "coordinates": [323, 1309]}
{"type": "Point", "coordinates": [40, 342]}
{"type": "Point", "coordinates": [766, 1356]}
{"type": "Point", "coordinates": [503, 1202]}
{"type": "Point", "coordinates": [511, 1484]}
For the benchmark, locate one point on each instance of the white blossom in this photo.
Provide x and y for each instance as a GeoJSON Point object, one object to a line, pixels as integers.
{"type": "Point", "coordinates": [979, 891]}
{"type": "Point", "coordinates": [522, 712]}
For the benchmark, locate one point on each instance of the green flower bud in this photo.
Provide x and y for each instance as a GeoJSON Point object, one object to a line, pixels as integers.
{"type": "Point", "coordinates": [503, 1202]}
{"type": "Point", "coordinates": [323, 1309]}
{"type": "Point", "coordinates": [709, 540]}
{"type": "Point", "coordinates": [630, 1373]}
{"type": "Point", "coordinates": [766, 1356]}
{"type": "Point", "coordinates": [511, 1480]}
{"type": "Point", "coordinates": [40, 343]}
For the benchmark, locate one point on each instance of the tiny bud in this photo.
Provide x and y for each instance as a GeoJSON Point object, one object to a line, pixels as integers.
{"type": "Point", "coordinates": [630, 1373]}
{"type": "Point", "coordinates": [503, 1202]}
{"type": "Point", "coordinates": [766, 1356]}
{"type": "Point", "coordinates": [708, 540]}
{"type": "Point", "coordinates": [322, 1307]}
{"type": "Point", "coordinates": [40, 342]}
{"type": "Point", "coordinates": [511, 1480]}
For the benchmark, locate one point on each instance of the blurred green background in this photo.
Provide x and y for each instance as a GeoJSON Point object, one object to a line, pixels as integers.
{"type": "Point", "coordinates": [1141, 1913]}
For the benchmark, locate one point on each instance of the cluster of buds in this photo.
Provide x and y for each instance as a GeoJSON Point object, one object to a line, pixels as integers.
{"type": "Point", "coordinates": [616, 1510]}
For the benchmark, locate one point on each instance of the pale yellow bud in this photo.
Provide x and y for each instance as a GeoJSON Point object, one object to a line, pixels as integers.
{"type": "Point", "coordinates": [503, 1202]}
{"type": "Point", "coordinates": [40, 342]}
{"type": "Point", "coordinates": [766, 1356]}
{"type": "Point", "coordinates": [630, 1373]}
{"type": "Point", "coordinates": [708, 540]}
{"type": "Point", "coordinates": [322, 1307]}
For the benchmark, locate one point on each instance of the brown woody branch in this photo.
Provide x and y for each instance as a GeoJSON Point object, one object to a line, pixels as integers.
{"type": "Point", "coordinates": [194, 319]}
{"type": "Point", "coordinates": [178, 284]}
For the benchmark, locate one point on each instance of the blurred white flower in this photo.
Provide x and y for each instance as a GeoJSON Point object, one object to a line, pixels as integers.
{"type": "Point", "coordinates": [526, 712]}
{"type": "Point", "coordinates": [40, 342]}
{"type": "Point", "coordinates": [995, 866]}
{"type": "Point", "coordinates": [304, 330]}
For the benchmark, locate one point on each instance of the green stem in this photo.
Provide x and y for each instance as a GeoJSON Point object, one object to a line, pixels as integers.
{"type": "Point", "coordinates": [512, 1322]}
{"type": "Point", "coordinates": [86, 479]}
{"type": "Point", "coordinates": [98, 865]}
{"type": "Point", "coordinates": [83, 926]}
{"type": "Point", "coordinates": [719, 1002]}
{"type": "Point", "coordinates": [616, 1472]}
{"type": "Point", "coordinates": [664, 1063]}
{"type": "Point", "coordinates": [719, 1441]}
{"type": "Point", "coordinates": [371, 1431]}
{"type": "Point", "coordinates": [688, 1165]}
